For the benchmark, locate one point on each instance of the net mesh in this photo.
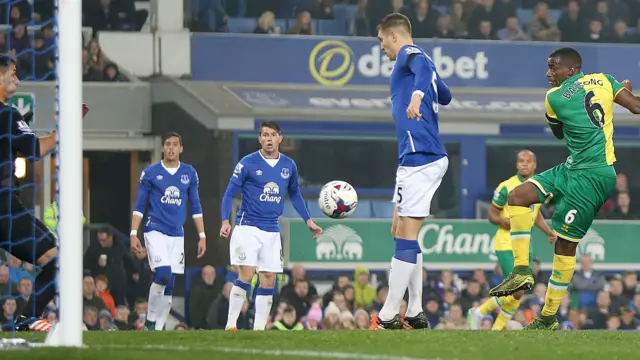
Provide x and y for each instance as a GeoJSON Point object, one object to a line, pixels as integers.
{"type": "Point", "coordinates": [28, 34]}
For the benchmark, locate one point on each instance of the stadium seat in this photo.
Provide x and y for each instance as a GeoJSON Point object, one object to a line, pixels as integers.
{"type": "Point", "coordinates": [344, 11]}
{"type": "Point", "coordinates": [332, 27]}
{"type": "Point", "coordinates": [383, 209]}
{"type": "Point", "coordinates": [241, 25]}
{"type": "Point", "coordinates": [289, 211]}
{"type": "Point", "coordinates": [554, 15]}
{"type": "Point", "coordinates": [282, 24]}
{"type": "Point", "coordinates": [364, 210]}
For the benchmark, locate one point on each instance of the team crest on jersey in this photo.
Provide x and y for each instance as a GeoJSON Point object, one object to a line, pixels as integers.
{"type": "Point", "coordinates": [285, 173]}
{"type": "Point", "coordinates": [184, 179]}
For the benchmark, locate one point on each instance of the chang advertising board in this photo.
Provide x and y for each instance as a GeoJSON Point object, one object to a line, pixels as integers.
{"type": "Point", "coordinates": [335, 62]}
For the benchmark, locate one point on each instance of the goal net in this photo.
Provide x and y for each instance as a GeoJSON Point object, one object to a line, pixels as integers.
{"type": "Point", "coordinates": [46, 43]}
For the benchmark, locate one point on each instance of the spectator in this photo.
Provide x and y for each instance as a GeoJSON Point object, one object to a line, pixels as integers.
{"type": "Point", "coordinates": [303, 25]}
{"type": "Point", "coordinates": [338, 286]}
{"type": "Point", "coordinates": [458, 24]}
{"type": "Point", "coordinates": [613, 322]}
{"type": "Point", "coordinates": [297, 273]}
{"type": "Point", "coordinates": [432, 312]}
{"type": "Point", "coordinates": [139, 283]}
{"type": "Point", "coordinates": [111, 73]}
{"type": "Point", "coordinates": [631, 286]}
{"type": "Point", "coordinates": [444, 28]}
{"type": "Point", "coordinates": [4, 47]}
{"type": "Point", "coordinates": [541, 28]}
{"type": "Point", "coordinates": [122, 318]}
{"type": "Point", "coordinates": [300, 299]}
{"type": "Point", "coordinates": [44, 68]}
{"type": "Point", "coordinates": [289, 320]}
{"type": "Point", "coordinates": [365, 294]}
{"type": "Point", "coordinates": [596, 34]}
{"type": "Point", "coordinates": [105, 320]}
{"type": "Point", "coordinates": [423, 20]}
{"type": "Point", "coordinates": [19, 269]}
{"type": "Point", "coordinates": [635, 305]}
{"type": "Point", "coordinates": [138, 317]}
{"type": "Point", "coordinates": [266, 24]}
{"type": "Point", "coordinates": [313, 320]}
{"type": "Point", "coordinates": [602, 14]}
{"type": "Point", "coordinates": [620, 36]}
{"type": "Point", "coordinates": [571, 23]}
{"type": "Point", "coordinates": [598, 315]}
{"type": "Point", "coordinates": [512, 32]}
{"type": "Point", "coordinates": [455, 320]}
{"type": "Point", "coordinates": [427, 286]}
{"type": "Point", "coordinates": [181, 327]}
{"type": "Point", "coordinates": [8, 311]}
{"type": "Point", "coordinates": [129, 17]}
{"type": "Point", "coordinates": [7, 288]}
{"type": "Point", "coordinates": [216, 315]}
{"type": "Point", "coordinates": [445, 284]}
{"type": "Point", "coordinates": [350, 298]}
{"type": "Point", "coordinates": [622, 208]}
{"type": "Point", "coordinates": [16, 17]}
{"type": "Point", "coordinates": [616, 293]}
{"type": "Point", "coordinates": [470, 295]}
{"type": "Point", "coordinates": [347, 321]}
{"type": "Point", "coordinates": [95, 60]}
{"type": "Point", "coordinates": [332, 317]}
{"type": "Point", "coordinates": [484, 31]}
{"type": "Point", "coordinates": [322, 9]}
{"type": "Point", "coordinates": [112, 259]}
{"type": "Point", "coordinates": [104, 17]}
{"type": "Point", "coordinates": [362, 319]}
{"type": "Point", "coordinates": [536, 271]}
{"type": "Point", "coordinates": [565, 307]}
{"type": "Point", "coordinates": [25, 288]}
{"type": "Point", "coordinates": [586, 282]}
{"type": "Point", "coordinates": [360, 24]}
{"type": "Point", "coordinates": [89, 73]}
{"type": "Point", "coordinates": [627, 320]}
{"type": "Point", "coordinates": [102, 290]}
{"type": "Point", "coordinates": [204, 291]}
{"type": "Point", "coordinates": [89, 294]}
{"type": "Point", "coordinates": [488, 11]}
{"type": "Point", "coordinates": [381, 297]}
{"type": "Point", "coordinates": [90, 318]}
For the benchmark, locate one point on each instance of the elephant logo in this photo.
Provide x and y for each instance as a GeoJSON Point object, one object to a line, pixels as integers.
{"type": "Point", "coordinates": [592, 244]}
{"type": "Point", "coordinates": [339, 242]}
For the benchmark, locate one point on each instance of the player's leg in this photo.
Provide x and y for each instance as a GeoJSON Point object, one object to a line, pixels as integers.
{"type": "Point", "coordinates": [269, 265]}
{"type": "Point", "coordinates": [585, 192]}
{"type": "Point", "coordinates": [415, 188]}
{"type": "Point", "coordinates": [243, 248]}
{"type": "Point", "coordinates": [540, 188]}
{"type": "Point", "coordinates": [508, 305]}
{"type": "Point", "coordinates": [177, 267]}
{"type": "Point", "coordinates": [505, 261]}
{"type": "Point", "coordinates": [157, 245]}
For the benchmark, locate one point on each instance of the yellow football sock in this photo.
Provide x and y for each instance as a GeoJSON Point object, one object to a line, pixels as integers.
{"type": "Point", "coordinates": [488, 306]}
{"type": "Point", "coordinates": [521, 224]}
{"type": "Point", "coordinates": [563, 267]}
{"type": "Point", "coordinates": [509, 305]}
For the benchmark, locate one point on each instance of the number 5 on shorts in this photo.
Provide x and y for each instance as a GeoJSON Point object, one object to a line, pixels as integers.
{"type": "Point", "coordinates": [399, 194]}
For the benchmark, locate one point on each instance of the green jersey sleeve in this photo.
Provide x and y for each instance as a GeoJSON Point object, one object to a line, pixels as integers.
{"type": "Point", "coordinates": [550, 114]}
{"type": "Point", "coordinates": [615, 85]}
{"type": "Point", "coordinates": [500, 197]}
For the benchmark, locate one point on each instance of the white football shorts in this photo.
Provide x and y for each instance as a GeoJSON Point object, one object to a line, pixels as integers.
{"type": "Point", "coordinates": [416, 185]}
{"type": "Point", "coordinates": [164, 250]}
{"type": "Point", "coordinates": [250, 246]}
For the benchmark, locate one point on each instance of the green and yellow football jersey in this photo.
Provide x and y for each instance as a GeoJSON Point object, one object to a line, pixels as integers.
{"type": "Point", "coordinates": [584, 105]}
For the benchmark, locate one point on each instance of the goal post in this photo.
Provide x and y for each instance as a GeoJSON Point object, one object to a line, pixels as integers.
{"type": "Point", "coordinates": [68, 331]}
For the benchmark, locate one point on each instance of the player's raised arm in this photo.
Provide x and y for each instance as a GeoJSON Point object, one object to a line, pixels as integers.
{"type": "Point", "coordinates": [196, 213]}
{"type": "Point", "coordinates": [233, 188]}
{"type": "Point", "coordinates": [624, 96]}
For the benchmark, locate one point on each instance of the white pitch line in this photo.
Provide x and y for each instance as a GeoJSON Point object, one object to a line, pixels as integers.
{"type": "Point", "coordinates": [295, 353]}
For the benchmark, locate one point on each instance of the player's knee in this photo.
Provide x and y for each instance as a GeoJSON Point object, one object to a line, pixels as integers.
{"type": "Point", "coordinates": [564, 247]}
{"type": "Point", "coordinates": [162, 275]}
{"type": "Point", "coordinates": [407, 250]}
{"type": "Point", "coordinates": [168, 289]}
{"type": "Point", "coordinates": [267, 280]}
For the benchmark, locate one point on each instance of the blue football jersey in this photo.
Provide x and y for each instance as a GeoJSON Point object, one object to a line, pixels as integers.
{"type": "Point", "coordinates": [264, 188]}
{"type": "Point", "coordinates": [418, 140]}
{"type": "Point", "coordinates": [167, 196]}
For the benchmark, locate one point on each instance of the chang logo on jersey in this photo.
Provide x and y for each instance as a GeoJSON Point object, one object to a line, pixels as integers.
{"type": "Point", "coordinates": [171, 196]}
{"type": "Point", "coordinates": [271, 193]}
{"type": "Point", "coordinates": [331, 63]}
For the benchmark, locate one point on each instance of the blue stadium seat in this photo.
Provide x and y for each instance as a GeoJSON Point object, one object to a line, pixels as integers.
{"type": "Point", "coordinates": [554, 15]}
{"type": "Point", "coordinates": [289, 211]}
{"type": "Point", "coordinates": [383, 209]}
{"type": "Point", "coordinates": [524, 16]}
{"type": "Point", "coordinates": [282, 24]}
{"type": "Point", "coordinates": [344, 11]}
{"type": "Point", "coordinates": [241, 25]}
{"type": "Point", "coordinates": [332, 27]}
{"type": "Point", "coordinates": [364, 210]}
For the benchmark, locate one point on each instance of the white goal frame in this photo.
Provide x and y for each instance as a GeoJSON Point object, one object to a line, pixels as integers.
{"type": "Point", "coordinates": [68, 331]}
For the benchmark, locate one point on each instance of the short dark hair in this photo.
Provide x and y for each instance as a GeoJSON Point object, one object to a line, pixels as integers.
{"type": "Point", "coordinates": [569, 56]}
{"type": "Point", "coordinates": [270, 125]}
{"type": "Point", "coordinates": [289, 310]}
{"type": "Point", "coordinates": [6, 60]}
{"type": "Point", "coordinates": [394, 20]}
{"type": "Point", "coordinates": [106, 230]}
{"type": "Point", "coordinates": [167, 136]}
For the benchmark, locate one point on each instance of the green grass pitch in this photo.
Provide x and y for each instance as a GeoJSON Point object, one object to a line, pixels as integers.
{"type": "Point", "coordinates": [365, 345]}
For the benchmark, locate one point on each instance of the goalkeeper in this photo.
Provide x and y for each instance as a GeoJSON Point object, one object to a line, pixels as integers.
{"type": "Point", "coordinates": [21, 233]}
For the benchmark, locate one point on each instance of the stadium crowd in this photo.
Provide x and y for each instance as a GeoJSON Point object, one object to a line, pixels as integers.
{"type": "Point", "coordinates": [574, 20]}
